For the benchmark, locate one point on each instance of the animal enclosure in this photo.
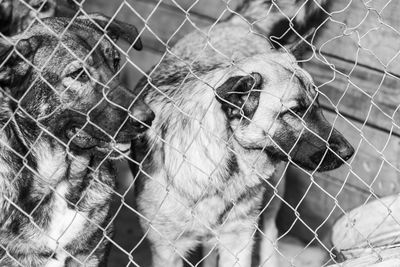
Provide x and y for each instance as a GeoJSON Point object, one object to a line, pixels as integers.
{"type": "Point", "coordinates": [353, 59]}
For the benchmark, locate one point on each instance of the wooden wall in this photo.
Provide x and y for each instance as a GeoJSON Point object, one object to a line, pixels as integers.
{"type": "Point", "coordinates": [356, 67]}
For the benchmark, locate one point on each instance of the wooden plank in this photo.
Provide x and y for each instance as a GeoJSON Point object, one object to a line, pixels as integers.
{"type": "Point", "coordinates": [334, 38]}
{"type": "Point", "coordinates": [366, 89]}
{"type": "Point", "coordinates": [331, 193]}
{"type": "Point", "coordinates": [161, 25]}
{"type": "Point", "coordinates": [367, 95]}
{"type": "Point", "coordinates": [376, 23]}
{"type": "Point", "coordinates": [362, 32]}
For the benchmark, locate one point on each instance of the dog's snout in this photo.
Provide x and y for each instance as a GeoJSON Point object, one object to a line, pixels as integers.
{"type": "Point", "coordinates": [345, 151]}
{"type": "Point", "coordinates": [142, 116]}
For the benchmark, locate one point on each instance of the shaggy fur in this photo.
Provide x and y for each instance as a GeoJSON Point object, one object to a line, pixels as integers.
{"type": "Point", "coordinates": [63, 114]}
{"type": "Point", "coordinates": [229, 108]}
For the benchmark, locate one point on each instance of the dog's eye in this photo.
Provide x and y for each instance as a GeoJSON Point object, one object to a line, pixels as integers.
{"type": "Point", "coordinates": [45, 8]}
{"type": "Point", "coordinates": [79, 75]}
{"type": "Point", "coordinates": [42, 7]}
{"type": "Point", "coordinates": [299, 111]}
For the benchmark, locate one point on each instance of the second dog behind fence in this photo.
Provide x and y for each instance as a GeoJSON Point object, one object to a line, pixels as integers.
{"type": "Point", "coordinates": [229, 109]}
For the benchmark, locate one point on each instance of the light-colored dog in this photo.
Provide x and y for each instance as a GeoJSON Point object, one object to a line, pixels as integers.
{"type": "Point", "coordinates": [229, 108]}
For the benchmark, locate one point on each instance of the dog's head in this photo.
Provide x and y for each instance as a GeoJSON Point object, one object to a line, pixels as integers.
{"type": "Point", "coordinates": [271, 104]}
{"type": "Point", "coordinates": [60, 80]}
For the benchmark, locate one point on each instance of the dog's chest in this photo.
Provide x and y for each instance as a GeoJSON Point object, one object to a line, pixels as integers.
{"type": "Point", "coordinates": [233, 202]}
{"type": "Point", "coordinates": [65, 223]}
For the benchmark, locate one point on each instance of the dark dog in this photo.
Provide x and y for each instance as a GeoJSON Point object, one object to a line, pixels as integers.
{"type": "Point", "coordinates": [62, 115]}
{"type": "Point", "coordinates": [17, 15]}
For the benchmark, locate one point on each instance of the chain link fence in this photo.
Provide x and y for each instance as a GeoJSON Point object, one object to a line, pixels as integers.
{"type": "Point", "coordinates": [198, 138]}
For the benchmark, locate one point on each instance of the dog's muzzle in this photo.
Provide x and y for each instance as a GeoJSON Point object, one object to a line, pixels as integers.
{"type": "Point", "coordinates": [111, 129]}
{"type": "Point", "coordinates": [312, 153]}
{"type": "Point", "coordinates": [318, 147]}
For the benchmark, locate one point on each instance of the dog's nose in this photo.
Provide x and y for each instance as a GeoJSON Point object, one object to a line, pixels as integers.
{"type": "Point", "coordinates": [142, 116]}
{"type": "Point", "coordinates": [344, 151]}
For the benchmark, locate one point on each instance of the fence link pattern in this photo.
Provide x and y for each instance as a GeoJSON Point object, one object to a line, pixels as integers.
{"type": "Point", "coordinates": [207, 147]}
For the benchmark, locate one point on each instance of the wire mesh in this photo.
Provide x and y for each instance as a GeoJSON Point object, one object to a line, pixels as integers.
{"type": "Point", "coordinates": [207, 147]}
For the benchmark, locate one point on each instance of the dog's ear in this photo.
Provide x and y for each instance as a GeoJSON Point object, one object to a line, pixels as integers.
{"type": "Point", "coordinates": [9, 58]}
{"type": "Point", "coordinates": [25, 47]}
{"type": "Point", "coordinates": [239, 95]}
{"type": "Point", "coordinates": [116, 29]}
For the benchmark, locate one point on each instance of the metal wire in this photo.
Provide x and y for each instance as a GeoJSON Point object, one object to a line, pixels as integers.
{"type": "Point", "coordinates": [159, 42]}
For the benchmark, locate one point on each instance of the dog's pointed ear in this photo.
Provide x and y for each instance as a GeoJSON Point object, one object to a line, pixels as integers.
{"type": "Point", "coordinates": [11, 54]}
{"type": "Point", "coordinates": [24, 46]}
{"type": "Point", "coordinates": [116, 29]}
{"type": "Point", "coordinates": [239, 95]}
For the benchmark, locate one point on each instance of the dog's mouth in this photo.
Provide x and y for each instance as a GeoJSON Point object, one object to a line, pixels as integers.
{"type": "Point", "coordinates": [82, 139]}
{"type": "Point", "coordinates": [116, 151]}
{"type": "Point", "coordinates": [86, 141]}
